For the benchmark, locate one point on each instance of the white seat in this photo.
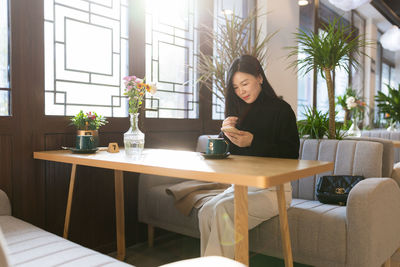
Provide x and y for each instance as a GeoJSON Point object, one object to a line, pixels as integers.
{"type": "Point", "coordinates": [210, 261]}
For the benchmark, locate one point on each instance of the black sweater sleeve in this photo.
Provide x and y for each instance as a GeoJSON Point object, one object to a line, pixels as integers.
{"type": "Point", "coordinates": [286, 143]}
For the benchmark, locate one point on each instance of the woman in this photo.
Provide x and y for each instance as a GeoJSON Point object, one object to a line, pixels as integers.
{"type": "Point", "coordinates": [267, 128]}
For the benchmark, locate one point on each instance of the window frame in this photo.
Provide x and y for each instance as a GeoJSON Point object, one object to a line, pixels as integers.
{"type": "Point", "coordinates": [320, 14]}
{"type": "Point", "coordinates": [9, 64]}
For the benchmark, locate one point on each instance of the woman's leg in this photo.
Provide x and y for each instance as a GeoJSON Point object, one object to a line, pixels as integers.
{"type": "Point", "coordinates": [217, 223]}
{"type": "Point", "coordinates": [205, 216]}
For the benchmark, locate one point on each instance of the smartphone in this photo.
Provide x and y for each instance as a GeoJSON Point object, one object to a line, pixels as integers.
{"type": "Point", "coordinates": [229, 129]}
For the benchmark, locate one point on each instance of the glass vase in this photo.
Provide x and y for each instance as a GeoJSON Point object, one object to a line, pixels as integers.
{"type": "Point", "coordinates": [392, 126]}
{"type": "Point", "coordinates": [134, 138]}
{"type": "Point", "coordinates": [354, 130]}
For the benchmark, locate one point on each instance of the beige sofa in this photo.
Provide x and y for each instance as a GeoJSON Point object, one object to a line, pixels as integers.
{"type": "Point", "coordinates": [385, 134]}
{"type": "Point", "coordinates": [23, 244]}
{"type": "Point", "coordinates": [364, 233]}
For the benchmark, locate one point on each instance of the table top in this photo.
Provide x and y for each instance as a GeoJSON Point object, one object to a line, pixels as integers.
{"type": "Point", "coordinates": [396, 143]}
{"type": "Point", "coordinates": [259, 172]}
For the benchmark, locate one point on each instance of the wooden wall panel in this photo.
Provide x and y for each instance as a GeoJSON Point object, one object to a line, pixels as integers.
{"type": "Point", "coordinates": [93, 210]}
{"type": "Point", "coordinates": [6, 164]}
{"type": "Point", "coordinates": [172, 140]}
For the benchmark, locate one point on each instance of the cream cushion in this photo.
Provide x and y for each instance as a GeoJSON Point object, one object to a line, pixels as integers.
{"type": "Point", "coordinates": [211, 261]}
{"type": "Point", "coordinates": [29, 245]}
{"type": "Point", "coordinates": [4, 261]}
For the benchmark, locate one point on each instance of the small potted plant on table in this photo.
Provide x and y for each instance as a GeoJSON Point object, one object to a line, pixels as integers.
{"type": "Point", "coordinates": [88, 124]}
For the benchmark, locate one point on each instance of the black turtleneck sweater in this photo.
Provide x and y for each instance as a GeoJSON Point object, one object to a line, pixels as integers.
{"type": "Point", "coordinates": [273, 125]}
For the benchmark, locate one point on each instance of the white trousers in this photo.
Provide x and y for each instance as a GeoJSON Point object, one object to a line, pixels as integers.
{"type": "Point", "coordinates": [216, 218]}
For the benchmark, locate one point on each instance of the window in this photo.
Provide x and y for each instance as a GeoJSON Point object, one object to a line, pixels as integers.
{"type": "Point", "coordinates": [357, 74]}
{"type": "Point", "coordinates": [341, 84]}
{"type": "Point", "coordinates": [4, 60]}
{"type": "Point", "coordinates": [386, 74]}
{"type": "Point", "coordinates": [310, 94]}
{"type": "Point", "coordinates": [86, 56]}
{"type": "Point", "coordinates": [387, 77]}
{"type": "Point", "coordinates": [171, 47]}
{"type": "Point", "coordinates": [341, 80]}
{"type": "Point", "coordinates": [305, 90]}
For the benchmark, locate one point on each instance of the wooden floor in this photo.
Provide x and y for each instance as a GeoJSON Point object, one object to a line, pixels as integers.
{"type": "Point", "coordinates": [167, 248]}
{"type": "Point", "coordinates": [174, 247]}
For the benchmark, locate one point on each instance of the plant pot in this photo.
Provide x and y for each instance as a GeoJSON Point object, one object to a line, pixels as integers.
{"type": "Point", "coordinates": [95, 134]}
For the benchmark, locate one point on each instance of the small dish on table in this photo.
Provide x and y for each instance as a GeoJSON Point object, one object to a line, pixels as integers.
{"type": "Point", "coordinates": [81, 151]}
{"type": "Point", "coordinates": [214, 156]}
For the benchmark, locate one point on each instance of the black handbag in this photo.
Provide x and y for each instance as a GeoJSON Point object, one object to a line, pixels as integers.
{"type": "Point", "coordinates": [336, 188]}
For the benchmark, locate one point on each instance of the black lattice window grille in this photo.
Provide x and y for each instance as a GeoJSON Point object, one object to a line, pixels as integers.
{"type": "Point", "coordinates": [5, 92]}
{"type": "Point", "coordinates": [86, 56]}
{"type": "Point", "coordinates": [171, 57]}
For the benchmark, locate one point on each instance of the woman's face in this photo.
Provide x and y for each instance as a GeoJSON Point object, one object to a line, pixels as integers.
{"type": "Point", "coordinates": [247, 87]}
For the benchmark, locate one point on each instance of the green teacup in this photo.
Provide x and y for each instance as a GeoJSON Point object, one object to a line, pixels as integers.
{"type": "Point", "coordinates": [217, 146]}
{"type": "Point", "coordinates": [85, 142]}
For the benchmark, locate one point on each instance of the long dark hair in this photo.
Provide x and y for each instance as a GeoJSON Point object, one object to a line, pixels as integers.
{"type": "Point", "coordinates": [251, 65]}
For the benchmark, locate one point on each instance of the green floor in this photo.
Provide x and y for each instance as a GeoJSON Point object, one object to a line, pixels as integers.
{"type": "Point", "coordinates": [175, 247]}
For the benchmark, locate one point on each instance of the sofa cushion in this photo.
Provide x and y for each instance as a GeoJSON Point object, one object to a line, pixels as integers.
{"type": "Point", "coordinates": [351, 157]}
{"type": "Point", "coordinates": [385, 134]}
{"type": "Point", "coordinates": [4, 251]}
{"type": "Point", "coordinates": [388, 153]}
{"type": "Point", "coordinates": [162, 211]}
{"type": "Point", "coordinates": [316, 230]}
{"type": "Point", "coordinates": [31, 246]}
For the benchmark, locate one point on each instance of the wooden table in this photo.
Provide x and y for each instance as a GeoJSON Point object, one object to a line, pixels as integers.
{"type": "Point", "coordinates": [243, 171]}
{"type": "Point", "coordinates": [396, 143]}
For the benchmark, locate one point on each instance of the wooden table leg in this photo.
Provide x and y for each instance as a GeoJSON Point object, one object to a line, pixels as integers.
{"type": "Point", "coordinates": [283, 219]}
{"type": "Point", "coordinates": [120, 214]}
{"type": "Point", "coordinates": [241, 225]}
{"type": "Point", "coordinates": [69, 201]}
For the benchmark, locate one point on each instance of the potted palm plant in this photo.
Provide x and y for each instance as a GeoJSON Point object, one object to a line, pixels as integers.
{"type": "Point", "coordinates": [324, 52]}
{"type": "Point", "coordinates": [389, 105]}
{"type": "Point", "coordinates": [234, 37]}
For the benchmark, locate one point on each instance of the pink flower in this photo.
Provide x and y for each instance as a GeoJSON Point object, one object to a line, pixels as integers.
{"type": "Point", "coordinates": [129, 78]}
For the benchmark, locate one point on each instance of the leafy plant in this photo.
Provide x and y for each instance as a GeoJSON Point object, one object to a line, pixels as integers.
{"type": "Point", "coordinates": [315, 125]}
{"type": "Point", "coordinates": [234, 37]}
{"type": "Point", "coordinates": [341, 129]}
{"type": "Point", "coordinates": [88, 121]}
{"type": "Point", "coordinates": [389, 104]}
{"type": "Point", "coordinates": [325, 51]}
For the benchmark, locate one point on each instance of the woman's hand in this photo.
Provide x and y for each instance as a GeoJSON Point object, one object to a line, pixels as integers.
{"type": "Point", "coordinates": [230, 121]}
{"type": "Point", "coordinates": [241, 139]}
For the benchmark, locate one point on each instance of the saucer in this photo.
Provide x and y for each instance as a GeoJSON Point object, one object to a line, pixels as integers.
{"type": "Point", "coordinates": [215, 156]}
{"type": "Point", "coordinates": [83, 151]}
